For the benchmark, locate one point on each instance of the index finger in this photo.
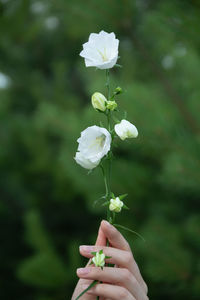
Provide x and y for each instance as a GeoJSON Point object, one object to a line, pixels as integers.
{"type": "Point", "coordinates": [114, 237]}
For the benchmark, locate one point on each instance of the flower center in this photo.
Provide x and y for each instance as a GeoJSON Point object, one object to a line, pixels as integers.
{"type": "Point", "coordinates": [98, 142]}
{"type": "Point", "coordinates": [103, 55]}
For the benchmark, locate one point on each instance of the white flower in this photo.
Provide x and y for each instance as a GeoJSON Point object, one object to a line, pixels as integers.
{"type": "Point", "coordinates": [126, 130]}
{"type": "Point", "coordinates": [99, 101]}
{"type": "Point", "coordinates": [94, 143]}
{"type": "Point", "coordinates": [99, 259]}
{"type": "Point", "coordinates": [101, 50]}
{"type": "Point", "coordinates": [116, 204]}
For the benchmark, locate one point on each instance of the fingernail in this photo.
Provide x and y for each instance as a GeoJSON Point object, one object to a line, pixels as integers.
{"type": "Point", "coordinates": [87, 249]}
{"type": "Point", "coordinates": [108, 224]}
{"type": "Point", "coordinates": [83, 271]}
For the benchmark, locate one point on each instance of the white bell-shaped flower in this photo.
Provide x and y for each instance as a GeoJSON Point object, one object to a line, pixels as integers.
{"type": "Point", "coordinates": [101, 50]}
{"type": "Point", "coordinates": [126, 130]}
{"type": "Point", "coordinates": [94, 144]}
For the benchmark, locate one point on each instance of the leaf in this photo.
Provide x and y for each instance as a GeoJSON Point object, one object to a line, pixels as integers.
{"type": "Point", "coordinates": [88, 288]}
{"type": "Point", "coordinates": [125, 207]}
{"type": "Point", "coordinates": [121, 197]}
{"type": "Point", "coordinates": [93, 253]}
{"type": "Point", "coordinates": [106, 257]}
{"type": "Point", "coordinates": [127, 229]}
{"type": "Point", "coordinates": [101, 251]}
{"type": "Point", "coordinates": [118, 66]}
{"type": "Point", "coordinates": [106, 203]}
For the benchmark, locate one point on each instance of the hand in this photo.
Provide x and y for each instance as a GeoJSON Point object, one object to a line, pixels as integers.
{"type": "Point", "coordinates": [124, 281]}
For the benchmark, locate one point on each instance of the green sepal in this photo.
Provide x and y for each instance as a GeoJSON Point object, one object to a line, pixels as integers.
{"type": "Point", "coordinates": [87, 289]}
{"type": "Point", "coordinates": [91, 263]}
{"type": "Point", "coordinates": [101, 251]}
{"type": "Point", "coordinates": [125, 207]}
{"type": "Point", "coordinates": [106, 203]}
{"type": "Point", "coordinates": [121, 197]}
{"type": "Point", "coordinates": [106, 257]}
{"type": "Point", "coordinates": [118, 66]}
{"type": "Point", "coordinates": [128, 229]}
{"type": "Point", "coordinates": [93, 253]}
{"type": "Point", "coordinates": [112, 195]}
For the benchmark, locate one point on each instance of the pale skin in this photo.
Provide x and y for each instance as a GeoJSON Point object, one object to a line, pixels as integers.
{"type": "Point", "coordinates": [124, 281]}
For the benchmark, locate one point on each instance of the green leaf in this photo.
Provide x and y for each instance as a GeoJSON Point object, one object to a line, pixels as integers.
{"type": "Point", "coordinates": [106, 257]}
{"type": "Point", "coordinates": [125, 207]}
{"type": "Point", "coordinates": [121, 197]}
{"type": "Point", "coordinates": [88, 288]}
{"type": "Point", "coordinates": [112, 195]}
{"type": "Point", "coordinates": [93, 253]}
{"type": "Point", "coordinates": [106, 203]}
{"type": "Point", "coordinates": [127, 229]}
{"type": "Point", "coordinates": [101, 251]}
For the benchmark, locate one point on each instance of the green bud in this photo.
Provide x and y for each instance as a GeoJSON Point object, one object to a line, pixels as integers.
{"type": "Point", "coordinates": [118, 90]}
{"type": "Point", "coordinates": [99, 101]}
{"type": "Point", "coordinates": [111, 105]}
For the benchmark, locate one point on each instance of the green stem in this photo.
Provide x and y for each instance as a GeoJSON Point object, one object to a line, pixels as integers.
{"type": "Point", "coordinates": [108, 82]}
{"type": "Point", "coordinates": [87, 289]}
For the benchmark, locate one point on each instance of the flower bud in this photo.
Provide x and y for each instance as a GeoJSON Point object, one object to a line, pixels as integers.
{"type": "Point", "coordinates": [118, 90]}
{"type": "Point", "coordinates": [99, 259]}
{"type": "Point", "coordinates": [99, 101]}
{"type": "Point", "coordinates": [111, 105]}
{"type": "Point", "coordinates": [116, 204]}
{"type": "Point", "coordinates": [126, 130]}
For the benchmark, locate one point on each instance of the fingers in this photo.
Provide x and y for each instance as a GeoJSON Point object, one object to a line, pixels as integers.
{"type": "Point", "coordinates": [115, 238]}
{"type": "Point", "coordinates": [110, 291]}
{"type": "Point", "coordinates": [120, 258]}
{"type": "Point", "coordinates": [101, 238]}
{"type": "Point", "coordinates": [117, 276]}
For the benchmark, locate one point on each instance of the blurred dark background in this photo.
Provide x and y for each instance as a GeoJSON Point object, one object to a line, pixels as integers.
{"type": "Point", "coordinates": [46, 207]}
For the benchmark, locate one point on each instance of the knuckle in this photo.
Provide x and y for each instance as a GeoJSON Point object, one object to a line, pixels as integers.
{"type": "Point", "coordinates": [126, 274]}
{"type": "Point", "coordinates": [129, 258]}
{"type": "Point", "coordinates": [123, 294]}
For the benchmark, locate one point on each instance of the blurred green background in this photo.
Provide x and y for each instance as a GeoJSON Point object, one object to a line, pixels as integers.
{"type": "Point", "coordinates": [46, 207]}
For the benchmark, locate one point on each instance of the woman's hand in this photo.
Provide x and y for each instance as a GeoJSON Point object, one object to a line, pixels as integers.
{"type": "Point", "coordinates": [124, 281]}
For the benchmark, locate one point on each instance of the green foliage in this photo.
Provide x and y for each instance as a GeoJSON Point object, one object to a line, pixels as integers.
{"type": "Point", "coordinates": [47, 201]}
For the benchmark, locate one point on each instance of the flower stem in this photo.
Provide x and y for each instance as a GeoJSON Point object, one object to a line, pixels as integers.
{"type": "Point", "coordinates": [108, 82]}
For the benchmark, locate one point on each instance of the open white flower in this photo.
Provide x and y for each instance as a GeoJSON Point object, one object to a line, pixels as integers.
{"type": "Point", "coordinates": [116, 204]}
{"type": "Point", "coordinates": [126, 130]}
{"type": "Point", "coordinates": [101, 50]}
{"type": "Point", "coordinates": [94, 143]}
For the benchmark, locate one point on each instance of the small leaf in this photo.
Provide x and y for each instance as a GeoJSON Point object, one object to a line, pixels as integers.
{"type": "Point", "coordinates": [87, 289]}
{"type": "Point", "coordinates": [121, 197]}
{"type": "Point", "coordinates": [125, 207]}
{"type": "Point", "coordinates": [101, 251]}
{"type": "Point", "coordinates": [106, 203]}
{"type": "Point", "coordinates": [91, 263]}
{"type": "Point", "coordinates": [106, 257]}
{"type": "Point", "coordinates": [118, 66]}
{"type": "Point", "coordinates": [112, 195]}
{"type": "Point", "coordinates": [127, 229]}
{"type": "Point", "coordinates": [93, 253]}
